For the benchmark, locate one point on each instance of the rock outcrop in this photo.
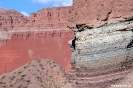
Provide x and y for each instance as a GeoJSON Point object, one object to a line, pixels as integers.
{"type": "Point", "coordinates": [102, 47]}
{"type": "Point", "coordinates": [99, 12]}
{"type": "Point", "coordinates": [102, 56]}
{"type": "Point", "coordinates": [104, 50]}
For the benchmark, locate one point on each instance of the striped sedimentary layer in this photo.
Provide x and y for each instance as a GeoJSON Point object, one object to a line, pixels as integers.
{"type": "Point", "coordinates": [103, 50]}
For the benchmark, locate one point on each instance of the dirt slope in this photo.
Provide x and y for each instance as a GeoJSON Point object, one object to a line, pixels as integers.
{"type": "Point", "coordinates": [35, 74]}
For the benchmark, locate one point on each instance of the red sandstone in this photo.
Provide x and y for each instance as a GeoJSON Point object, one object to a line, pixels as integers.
{"type": "Point", "coordinates": [27, 46]}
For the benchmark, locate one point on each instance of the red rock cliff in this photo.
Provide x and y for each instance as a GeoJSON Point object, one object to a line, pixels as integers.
{"type": "Point", "coordinates": [100, 12]}
{"type": "Point", "coordinates": [11, 19]}
{"type": "Point", "coordinates": [49, 18]}
{"type": "Point", "coordinates": [43, 35]}
{"type": "Point", "coordinates": [45, 18]}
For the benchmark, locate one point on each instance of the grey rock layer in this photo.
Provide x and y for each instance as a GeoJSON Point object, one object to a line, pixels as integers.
{"type": "Point", "coordinates": [103, 50]}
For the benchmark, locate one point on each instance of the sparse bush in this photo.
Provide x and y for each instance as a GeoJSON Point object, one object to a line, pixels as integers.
{"type": "Point", "coordinates": [28, 81]}
{"type": "Point", "coordinates": [19, 86]}
{"type": "Point", "coordinates": [3, 77]}
{"type": "Point", "coordinates": [23, 75]}
{"type": "Point", "coordinates": [0, 82]}
{"type": "Point", "coordinates": [25, 87]}
{"type": "Point", "coordinates": [19, 72]}
{"type": "Point", "coordinates": [11, 85]}
{"type": "Point", "coordinates": [12, 77]}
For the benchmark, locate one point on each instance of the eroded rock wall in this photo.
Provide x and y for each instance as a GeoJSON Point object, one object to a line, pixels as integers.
{"type": "Point", "coordinates": [100, 12]}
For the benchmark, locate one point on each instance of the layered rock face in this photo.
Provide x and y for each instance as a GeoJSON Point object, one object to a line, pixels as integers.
{"type": "Point", "coordinates": [102, 56]}
{"type": "Point", "coordinates": [99, 12]}
{"type": "Point", "coordinates": [102, 48]}
{"type": "Point", "coordinates": [42, 35]}
{"type": "Point", "coordinates": [9, 20]}
{"type": "Point", "coordinates": [47, 18]}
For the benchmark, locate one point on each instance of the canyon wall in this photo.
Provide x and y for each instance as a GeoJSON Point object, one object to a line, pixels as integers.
{"type": "Point", "coordinates": [102, 47]}
{"type": "Point", "coordinates": [42, 35]}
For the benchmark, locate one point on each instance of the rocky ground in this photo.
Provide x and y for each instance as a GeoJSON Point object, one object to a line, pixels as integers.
{"type": "Point", "coordinates": [36, 74]}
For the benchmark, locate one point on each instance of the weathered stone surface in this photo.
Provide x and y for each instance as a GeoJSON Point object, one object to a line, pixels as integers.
{"type": "Point", "coordinates": [100, 12]}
